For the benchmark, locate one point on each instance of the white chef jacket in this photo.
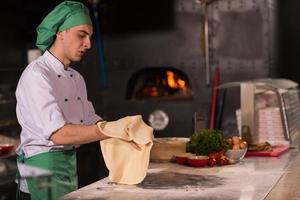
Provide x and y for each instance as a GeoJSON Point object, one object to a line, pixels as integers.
{"type": "Point", "coordinates": [48, 97]}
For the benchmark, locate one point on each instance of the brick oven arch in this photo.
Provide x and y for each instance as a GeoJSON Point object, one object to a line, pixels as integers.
{"type": "Point", "coordinates": [158, 83]}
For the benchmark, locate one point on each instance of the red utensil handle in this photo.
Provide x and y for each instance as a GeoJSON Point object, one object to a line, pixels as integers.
{"type": "Point", "coordinates": [214, 98]}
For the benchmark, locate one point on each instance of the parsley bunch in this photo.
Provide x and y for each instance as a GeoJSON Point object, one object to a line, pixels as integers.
{"type": "Point", "coordinates": [206, 141]}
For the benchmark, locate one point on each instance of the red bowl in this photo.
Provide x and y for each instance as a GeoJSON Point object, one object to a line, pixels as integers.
{"type": "Point", "coordinates": [182, 158]}
{"type": "Point", "coordinates": [6, 148]}
{"type": "Point", "coordinates": [197, 161]}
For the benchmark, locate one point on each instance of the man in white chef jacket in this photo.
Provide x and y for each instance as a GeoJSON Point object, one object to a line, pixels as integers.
{"type": "Point", "coordinates": [52, 105]}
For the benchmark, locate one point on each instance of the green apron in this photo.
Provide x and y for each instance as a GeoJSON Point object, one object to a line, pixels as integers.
{"type": "Point", "coordinates": [64, 179]}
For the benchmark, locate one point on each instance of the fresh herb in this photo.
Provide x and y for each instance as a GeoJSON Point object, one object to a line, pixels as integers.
{"type": "Point", "coordinates": [206, 141]}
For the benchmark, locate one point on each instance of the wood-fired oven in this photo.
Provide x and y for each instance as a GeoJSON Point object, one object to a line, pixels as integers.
{"type": "Point", "coordinates": [167, 38]}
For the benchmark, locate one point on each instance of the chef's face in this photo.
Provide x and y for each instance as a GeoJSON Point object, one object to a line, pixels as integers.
{"type": "Point", "coordinates": [77, 40]}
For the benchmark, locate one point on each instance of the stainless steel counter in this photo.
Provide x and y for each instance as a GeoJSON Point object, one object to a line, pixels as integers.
{"type": "Point", "coordinates": [252, 179]}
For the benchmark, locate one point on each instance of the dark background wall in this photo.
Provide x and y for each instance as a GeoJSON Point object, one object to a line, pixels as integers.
{"type": "Point", "coordinates": [289, 39]}
{"type": "Point", "coordinates": [20, 18]}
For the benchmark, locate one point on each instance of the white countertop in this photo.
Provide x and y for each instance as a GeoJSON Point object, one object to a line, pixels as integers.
{"type": "Point", "coordinates": [251, 179]}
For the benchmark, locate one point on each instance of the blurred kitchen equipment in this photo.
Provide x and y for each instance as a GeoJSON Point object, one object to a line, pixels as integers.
{"type": "Point", "coordinates": [99, 44]}
{"type": "Point", "coordinates": [6, 148]}
{"type": "Point", "coordinates": [165, 149]}
{"type": "Point", "coordinates": [286, 95]}
{"type": "Point", "coordinates": [8, 171]}
{"type": "Point", "coordinates": [206, 43]}
{"type": "Point", "coordinates": [235, 155]}
{"type": "Point", "coordinates": [214, 99]}
{"type": "Point", "coordinates": [275, 152]}
{"type": "Point", "coordinates": [200, 121]}
{"type": "Point", "coordinates": [220, 109]}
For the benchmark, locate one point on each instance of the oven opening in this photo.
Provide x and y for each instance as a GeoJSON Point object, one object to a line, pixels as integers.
{"type": "Point", "coordinates": [158, 82]}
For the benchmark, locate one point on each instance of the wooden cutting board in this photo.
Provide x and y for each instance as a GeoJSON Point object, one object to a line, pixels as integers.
{"type": "Point", "coordinates": [277, 151]}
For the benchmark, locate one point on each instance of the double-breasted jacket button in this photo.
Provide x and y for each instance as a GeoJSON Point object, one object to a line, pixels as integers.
{"type": "Point", "coordinates": [66, 99]}
{"type": "Point", "coordinates": [71, 75]}
{"type": "Point", "coordinates": [58, 75]}
{"type": "Point", "coordinates": [81, 121]}
{"type": "Point", "coordinates": [78, 98]}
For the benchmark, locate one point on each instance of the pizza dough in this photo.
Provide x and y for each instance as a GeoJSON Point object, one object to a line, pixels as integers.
{"type": "Point", "coordinates": [126, 164]}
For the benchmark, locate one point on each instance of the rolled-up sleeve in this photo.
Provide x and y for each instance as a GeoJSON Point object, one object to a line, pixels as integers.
{"type": "Point", "coordinates": [91, 116]}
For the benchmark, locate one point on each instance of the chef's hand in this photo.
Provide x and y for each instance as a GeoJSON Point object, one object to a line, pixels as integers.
{"type": "Point", "coordinates": [135, 145]}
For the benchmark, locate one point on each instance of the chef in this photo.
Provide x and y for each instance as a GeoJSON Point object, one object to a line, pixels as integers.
{"type": "Point", "coordinates": [52, 105]}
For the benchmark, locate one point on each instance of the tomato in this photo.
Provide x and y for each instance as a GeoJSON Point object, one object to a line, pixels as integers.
{"type": "Point", "coordinates": [214, 155]}
{"type": "Point", "coordinates": [223, 161]}
{"type": "Point", "coordinates": [212, 162]}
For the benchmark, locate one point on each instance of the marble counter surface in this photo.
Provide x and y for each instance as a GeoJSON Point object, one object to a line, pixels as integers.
{"type": "Point", "coordinates": [251, 179]}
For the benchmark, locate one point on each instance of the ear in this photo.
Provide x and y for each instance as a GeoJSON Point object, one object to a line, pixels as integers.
{"type": "Point", "coordinates": [60, 35]}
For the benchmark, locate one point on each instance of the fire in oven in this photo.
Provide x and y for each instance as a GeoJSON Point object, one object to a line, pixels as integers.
{"type": "Point", "coordinates": [162, 82]}
{"type": "Point", "coordinates": [163, 96]}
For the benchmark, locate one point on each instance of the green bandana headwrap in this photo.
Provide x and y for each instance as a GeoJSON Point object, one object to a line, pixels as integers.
{"type": "Point", "coordinates": [64, 16]}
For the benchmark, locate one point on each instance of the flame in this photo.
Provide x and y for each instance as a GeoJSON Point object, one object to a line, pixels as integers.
{"type": "Point", "coordinates": [161, 86]}
{"type": "Point", "coordinates": [175, 82]}
{"type": "Point", "coordinates": [151, 91]}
